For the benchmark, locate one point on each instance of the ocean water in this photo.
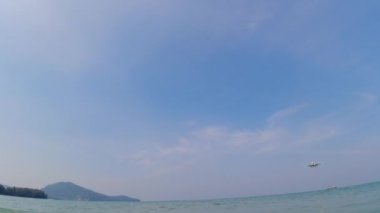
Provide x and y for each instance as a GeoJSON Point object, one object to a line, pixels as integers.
{"type": "Point", "coordinates": [361, 198]}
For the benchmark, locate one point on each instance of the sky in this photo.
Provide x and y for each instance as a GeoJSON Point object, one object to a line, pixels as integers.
{"type": "Point", "coordinates": [177, 100]}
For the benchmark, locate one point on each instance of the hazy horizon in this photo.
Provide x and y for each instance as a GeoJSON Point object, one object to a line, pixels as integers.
{"type": "Point", "coordinates": [173, 100]}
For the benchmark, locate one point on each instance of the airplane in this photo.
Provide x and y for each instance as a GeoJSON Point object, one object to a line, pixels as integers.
{"type": "Point", "coordinates": [331, 187]}
{"type": "Point", "coordinates": [313, 165]}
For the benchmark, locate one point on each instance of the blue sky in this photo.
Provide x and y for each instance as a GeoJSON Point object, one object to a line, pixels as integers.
{"type": "Point", "coordinates": [166, 100]}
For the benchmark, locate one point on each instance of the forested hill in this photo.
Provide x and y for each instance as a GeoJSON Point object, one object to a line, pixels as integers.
{"type": "Point", "coordinates": [22, 192]}
{"type": "Point", "coordinates": [71, 191]}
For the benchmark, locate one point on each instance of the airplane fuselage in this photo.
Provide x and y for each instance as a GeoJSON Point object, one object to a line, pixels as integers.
{"type": "Point", "coordinates": [313, 165]}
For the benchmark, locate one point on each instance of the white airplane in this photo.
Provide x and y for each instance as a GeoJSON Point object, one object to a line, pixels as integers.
{"type": "Point", "coordinates": [331, 187]}
{"type": "Point", "coordinates": [313, 165]}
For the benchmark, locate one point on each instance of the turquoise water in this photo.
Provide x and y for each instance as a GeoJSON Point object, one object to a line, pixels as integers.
{"type": "Point", "coordinates": [361, 198]}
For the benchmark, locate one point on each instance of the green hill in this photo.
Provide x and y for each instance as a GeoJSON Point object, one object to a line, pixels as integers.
{"type": "Point", "coordinates": [71, 191]}
{"type": "Point", "coordinates": [22, 192]}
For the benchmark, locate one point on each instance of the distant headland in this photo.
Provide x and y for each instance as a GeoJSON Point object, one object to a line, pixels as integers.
{"type": "Point", "coordinates": [22, 192]}
{"type": "Point", "coordinates": [62, 191]}
{"type": "Point", "coordinates": [71, 191]}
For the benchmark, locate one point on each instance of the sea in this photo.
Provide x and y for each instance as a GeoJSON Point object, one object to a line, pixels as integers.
{"type": "Point", "coordinates": [363, 198]}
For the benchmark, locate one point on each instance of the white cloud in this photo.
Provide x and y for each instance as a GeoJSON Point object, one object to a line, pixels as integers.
{"type": "Point", "coordinates": [211, 134]}
{"type": "Point", "coordinates": [369, 98]}
{"type": "Point", "coordinates": [205, 147]}
{"type": "Point", "coordinates": [139, 156]}
{"type": "Point", "coordinates": [274, 136]}
{"type": "Point", "coordinates": [279, 116]}
{"type": "Point", "coordinates": [318, 133]}
{"type": "Point", "coordinates": [183, 147]}
{"type": "Point", "coordinates": [238, 137]}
